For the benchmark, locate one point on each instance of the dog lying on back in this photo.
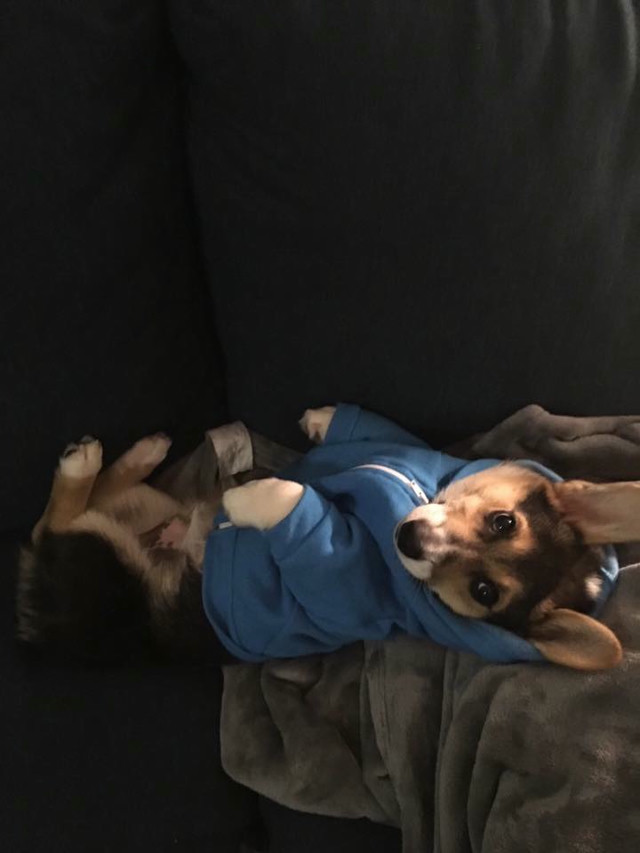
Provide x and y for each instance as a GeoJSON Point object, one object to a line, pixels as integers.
{"type": "Point", "coordinates": [499, 552]}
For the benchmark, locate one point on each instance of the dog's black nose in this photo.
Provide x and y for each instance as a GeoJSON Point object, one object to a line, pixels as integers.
{"type": "Point", "coordinates": [409, 540]}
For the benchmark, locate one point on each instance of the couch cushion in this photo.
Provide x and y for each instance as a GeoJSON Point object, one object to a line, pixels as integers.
{"type": "Point", "coordinates": [286, 829]}
{"type": "Point", "coordinates": [123, 761]}
{"type": "Point", "coordinates": [105, 327]}
{"type": "Point", "coordinates": [427, 208]}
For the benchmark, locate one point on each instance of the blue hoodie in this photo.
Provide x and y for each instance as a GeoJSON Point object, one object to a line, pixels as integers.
{"type": "Point", "coordinates": [328, 574]}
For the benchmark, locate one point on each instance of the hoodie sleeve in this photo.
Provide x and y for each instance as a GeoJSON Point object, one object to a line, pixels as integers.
{"type": "Point", "coordinates": [331, 564]}
{"type": "Point", "coordinates": [351, 423]}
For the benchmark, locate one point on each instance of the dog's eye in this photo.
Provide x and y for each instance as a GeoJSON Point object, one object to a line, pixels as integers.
{"type": "Point", "coordinates": [502, 523]}
{"type": "Point", "coordinates": [484, 591]}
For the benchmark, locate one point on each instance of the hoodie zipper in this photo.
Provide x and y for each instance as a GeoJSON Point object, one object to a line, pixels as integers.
{"type": "Point", "coordinates": [413, 484]}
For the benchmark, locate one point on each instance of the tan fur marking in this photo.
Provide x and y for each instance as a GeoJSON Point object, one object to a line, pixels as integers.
{"type": "Point", "coordinates": [465, 517]}
{"type": "Point", "coordinates": [68, 500]}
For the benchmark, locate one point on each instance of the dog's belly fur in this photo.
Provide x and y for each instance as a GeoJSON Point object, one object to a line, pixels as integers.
{"type": "Point", "coordinates": [154, 535]}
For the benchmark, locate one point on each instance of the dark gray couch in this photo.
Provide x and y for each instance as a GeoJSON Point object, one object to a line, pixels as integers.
{"type": "Point", "coordinates": [215, 209]}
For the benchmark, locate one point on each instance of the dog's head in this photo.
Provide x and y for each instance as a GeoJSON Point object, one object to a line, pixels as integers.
{"type": "Point", "coordinates": [511, 547]}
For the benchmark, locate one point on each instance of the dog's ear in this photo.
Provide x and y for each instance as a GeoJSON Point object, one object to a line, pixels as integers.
{"type": "Point", "coordinates": [575, 640]}
{"type": "Point", "coordinates": [604, 513]}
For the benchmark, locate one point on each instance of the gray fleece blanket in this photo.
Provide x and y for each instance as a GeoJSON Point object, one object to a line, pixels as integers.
{"type": "Point", "coordinates": [460, 754]}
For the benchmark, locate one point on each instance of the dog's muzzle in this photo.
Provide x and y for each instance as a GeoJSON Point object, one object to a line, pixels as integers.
{"type": "Point", "coordinates": [421, 535]}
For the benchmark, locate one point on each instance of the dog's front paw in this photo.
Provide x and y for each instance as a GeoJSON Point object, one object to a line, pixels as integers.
{"type": "Point", "coordinates": [262, 503]}
{"type": "Point", "coordinates": [81, 460]}
{"type": "Point", "coordinates": [315, 423]}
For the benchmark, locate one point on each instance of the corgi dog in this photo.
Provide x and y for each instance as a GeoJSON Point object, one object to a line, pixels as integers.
{"type": "Point", "coordinates": [114, 566]}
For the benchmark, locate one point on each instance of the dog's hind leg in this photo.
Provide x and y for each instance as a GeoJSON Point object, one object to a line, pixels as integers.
{"type": "Point", "coordinates": [73, 481]}
{"type": "Point", "coordinates": [131, 468]}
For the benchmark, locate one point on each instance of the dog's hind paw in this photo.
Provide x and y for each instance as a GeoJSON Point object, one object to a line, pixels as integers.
{"type": "Point", "coordinates": [148, 452]}
{"type": "Point", "coordinates": [81, 460]}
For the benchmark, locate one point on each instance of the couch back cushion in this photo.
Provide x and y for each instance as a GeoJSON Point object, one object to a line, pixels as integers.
{"type": "Point", "coordinates": [105, 325]}
{"type": "Point", "coordinates": [429, 208]}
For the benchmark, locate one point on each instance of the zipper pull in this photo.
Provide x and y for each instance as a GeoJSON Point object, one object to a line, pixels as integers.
{"type": "Point", "coordinates": [418, 491]}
